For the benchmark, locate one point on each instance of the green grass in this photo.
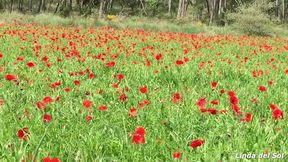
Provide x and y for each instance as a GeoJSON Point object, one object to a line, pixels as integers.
{"type": "Point", "coordinates": [169, 126]}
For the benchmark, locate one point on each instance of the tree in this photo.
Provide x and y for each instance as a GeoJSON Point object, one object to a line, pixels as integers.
{"type": "Point", "coordinates": [41, 6]}
{"type": "Point", "coordinates": [212, 7]}
{"type": "Point", "coordinates": [30, 5]}
{"type": "Point", "coordinates": [20, 5]}
{"type": "Point", "coordinates": [182, 9]}
{"type": "Point", "coordinates": [102, 3]}
{"type": "Point", "coordinates": [11, 6]}
{"type": "Point", "coordinates": [169, 7]}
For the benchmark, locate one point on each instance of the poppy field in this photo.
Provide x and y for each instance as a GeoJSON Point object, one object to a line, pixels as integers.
{"type": "Point", "coordinates": [101, 94]}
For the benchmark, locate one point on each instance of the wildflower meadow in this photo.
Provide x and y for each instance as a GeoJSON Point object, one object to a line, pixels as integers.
{"type": "Point", "coordinates": [105, 94]}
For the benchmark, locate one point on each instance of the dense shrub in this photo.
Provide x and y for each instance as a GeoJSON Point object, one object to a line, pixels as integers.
{"type": "Point", "coordinates": [65, 11]}
{"type": "Point", "coordinates": [251, 20]}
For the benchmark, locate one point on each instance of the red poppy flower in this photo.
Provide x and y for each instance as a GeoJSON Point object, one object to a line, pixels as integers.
{"type": "Point", "coordinates": [231, 93]}
{"type": "Point", "coordinates": [147, 62]}
{"type": "Point", "coordinates": [91, 76]}
{"type": "Point", "coordinates": [63, 35]}
{"type": "Point", "coordinates": [236, 109]}
{"type": "Point", "coordinates": [67, 89]}
{"type": "Point", "coordinates": [1, 68]}
{"type": "Point", "coordinates": [77, 82]}
{"type": "Point", "coordinates": [47, 118]}
{"type": "Point", "coordinates": [2, 102]}
{"type": "Point", "coordinates": [88, 118]}
{"type": "Point", "coordinates": [30, 64]}
{"type": "Point", "coordinates": [254, 73]}
{"type": "Point", "coordinates": [176, 97]}
{"type": "Point", "coordinates": [123, 98]}
{"type": "Point", "coordinates": [262, 88]}
{"type": "Point", "coordinates": [41, 105]}
{"type": "Point", "coordinates": [20, 58]}
{"type": "Point", "coordinates": [45, 58]}
{"type": "Point", "coordinates": [48, 159]}
{"type": "Point", "coordinates": [233, 100]}
{"type": "Point", "coordinates": [222, 91]}
{"type": "Point", "coordinates": [119, 77]}
{"type": "Point", "coordinates": [87, 104]}
{"type": "Point", "coordinates": [115, 85]}
{"type": "Point", "coordinates": [110, 64]}
{"type": "Point", "coordinates": [1, 55]}
{"type": "Point", "coordinates": [214, 84]}
{"type": "Point", "coordinates": [158, 57]}
{"type": "Point", "coordinates": [214, 102]}
{"type": "Point", "coordinates": [47, 100]}
{"type": "Point", "coordinates": [201, 103]}
{"type": "Point", "coordinates": [81, 72]}
{"type": "Point", "coordinates": [132, 112]}
{"type": "Point", "coordinates": [277, 113]}
{"type": "Point", "coordinates": [141, 131]}
{"type": "Point", "coordinates": [57, 83]}
{"type": "Point", "coordinates": [248, 117]}
{"type": "Point", "coordinates": [254, 100]}
{"type": "Point", "coordinates": [211, 111]}
{"type": "Point", "coordinates": [176, 155]}
{"type": "Point", "coordinates": [138, 137]}
{"type": "Point", "coordinates": [143, 89]}
{"type": "Point", "coordinates": [270, 82]}
{"type": "Point", "coordinates": [143, 103]}
{"type": "Point", "coordinates": [273, 107]}
{"type": "Point", "coordinates": [197, 143]}
{"type": "Point", "coordinates": [102, 108]}
{"type": "Point", "coordinates": [203, 110]}
{"type": "Point", "coordinates": [10, 77]}
{"type": "Point", "coordinates": [23, 133]}
{"type": "Point", "coordinates": [179, 62]}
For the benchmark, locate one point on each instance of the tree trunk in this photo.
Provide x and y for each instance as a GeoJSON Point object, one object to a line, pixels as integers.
{"type": "Point", "coordinates": [11, 6]}
{"type": "Point", "coordinates": [185, 8]}
{"type": "Point", "coordinates": [283, 10]}
{"type": "Point", "coordinates": [30, 6]}
{"type": "Point", "coordinates": [20, 5]}
{"type": "Point", "coordinates": [79, 4]}
{"type": "Point", "coordinates": [39, 6]}
{"type": "Point", "coordinates": [111, 3]}
{"type": "Point", "coordinates": [101, 9]}
{"type": "Point", "coordinates": [182, 8]}
{"type": "Point", "coordinates": [58, 5]}
{"type": "Point", "coordinates": [213, 8]}
{"type": "Point", "coordinates": [44, 5]}
{"type": "Point", "coordinates": [277, 9]}
{"type": "Point", "coordinates": [169, 7]}
{"type": "Point", "coordinates": [142, 3]}
{"type": "Point", "coordinates": [69, 4]}
{"type": "Point", "coordinates": [179, 9]}
{"type": "Point", "coordinates": [220, 8]}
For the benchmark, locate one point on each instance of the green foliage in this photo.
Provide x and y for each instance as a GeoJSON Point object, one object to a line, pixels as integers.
{"type": "Point", "coordinates": [1, 7]}
{"type": "Point", "coordinates": [65, 11]}
{"type": "Point", "coordinates": [150, 24]}
{"type": "Point", "coordinates": [251, 20]}
{"type": "Point", "coordinates": [171, 123]}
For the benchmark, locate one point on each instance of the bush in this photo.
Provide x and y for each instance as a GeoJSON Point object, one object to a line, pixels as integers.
{"type": "Point", "coordinates": [65, 11]}
{"type": "Point", "coordinates": [251, 20]}
{"type": "Point", "coordinates": [1, 7]}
